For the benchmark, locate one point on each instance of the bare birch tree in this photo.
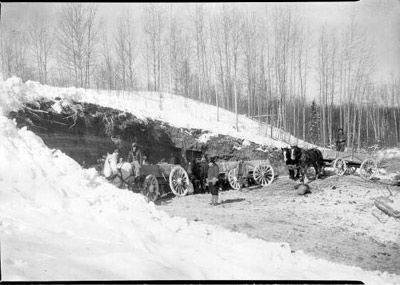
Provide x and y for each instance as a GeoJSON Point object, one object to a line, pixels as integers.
{"type": "Point", "coordinates": [78, 32]}
{"type": "Point", "coordinates": [106, 73]}
{"type": "Point", "coordinates": [14, 53]}
{"type": "Point", "coordinates": [42, 44]}
{"type": "Point", "coordinates": [126, 47]}
{"type": "Point", "coordinates": [154, 21]}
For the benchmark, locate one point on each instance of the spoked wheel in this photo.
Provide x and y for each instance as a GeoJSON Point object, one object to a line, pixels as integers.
{"type": "Point", "coordinates": [340, 166]}
{"type": "Point", "coordinates": [179, 181]}
{"type": "Point", "coordinates": [234, 180]}
{"type": "Point", "coordinates": [368, 168]}
{"type": "Point", "coordinates": [151, 189]}
{"type": "Point", "coordinates": [263, 174]}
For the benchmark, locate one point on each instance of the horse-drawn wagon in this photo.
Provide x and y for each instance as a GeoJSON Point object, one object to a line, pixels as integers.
{"type": "Point", "coordinates": [154, 180]}
{"type": "Point", "coordinates": [239, 173]}
{"type": "Point", "coordinates": [298, 160]}
{"type": "Point", "coordinates": [348, 162]}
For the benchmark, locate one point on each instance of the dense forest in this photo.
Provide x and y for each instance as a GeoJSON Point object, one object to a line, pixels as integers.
{"type": "Point", "coordinates": [261, 64]}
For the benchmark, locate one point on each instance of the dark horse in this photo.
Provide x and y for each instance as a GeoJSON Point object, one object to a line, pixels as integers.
{"type": "Point", "coordinates": [304, 158]}
{"type": "Point", "coordinates": [291, 164]}
{"type": "Point", "coordinates": [197, 171]}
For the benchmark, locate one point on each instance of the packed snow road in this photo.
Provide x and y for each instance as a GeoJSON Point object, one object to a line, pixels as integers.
{"type": "Point", "coordinates": [334, 222]}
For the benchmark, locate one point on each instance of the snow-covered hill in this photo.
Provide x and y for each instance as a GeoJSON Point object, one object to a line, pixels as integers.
{"type": "Point", "coordinates": [61, 222]}
{"type": "Point", "coordinates": [176, 110]}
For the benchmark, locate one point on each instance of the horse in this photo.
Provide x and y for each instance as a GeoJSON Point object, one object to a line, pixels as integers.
{"type": "Point", "coordinates": [304, 158]}
{"type": "Point", "coordinates": [198, 174]}
{"type": "Point", "coordinates": [119, 174]}
{"type": "Point", "coordinates": [293, 169]}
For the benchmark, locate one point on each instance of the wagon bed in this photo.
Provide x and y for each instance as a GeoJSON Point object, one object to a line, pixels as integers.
{"type": "Point", "coordinates": [225, 166]}
{"type": "Point", "coordinates": [156, 179]}
{"type": "Point", "coordinates": [349, 161]}
{"type": "Point", "coordinates": [238, 172]}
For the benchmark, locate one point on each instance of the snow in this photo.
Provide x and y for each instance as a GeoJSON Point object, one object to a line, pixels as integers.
{"type": "Point", "coordinates": [61, 222]}
{"type": "Point", "coordinates": [176, 110]}
{"type": "Point", "coordinates": [246, 143]}
{"type": "Point", "coordinates": [349, 206]}
{"type": "Point", "coordinates": [388, 153]}
{"type": "Point", "coordinates": [390, 160]}
{"type": "Point", "coordinates": [205, 137]}
{"type": "Point", "coordinates": [57, 107]}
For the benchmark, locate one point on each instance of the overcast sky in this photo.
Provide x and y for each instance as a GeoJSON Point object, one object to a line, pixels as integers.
{"type": "Point", "coordinates": [380, 20]}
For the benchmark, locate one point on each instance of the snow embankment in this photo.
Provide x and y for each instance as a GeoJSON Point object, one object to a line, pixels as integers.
{"type": "Point", "coordinates": [60, 222]}
{"type": "Point", "coordinates": [388, 153]}
{"type": "Point", "coordinates": [175, 110]}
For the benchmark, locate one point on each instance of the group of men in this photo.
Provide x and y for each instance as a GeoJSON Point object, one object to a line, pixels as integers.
{"type": "Point", "coordinates": [205, 177]}
{"type": "Point", "coordinates": [206, 172]}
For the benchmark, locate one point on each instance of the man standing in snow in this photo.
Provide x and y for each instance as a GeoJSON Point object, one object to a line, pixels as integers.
{"type": "Point", "coordinates": [203, 173]}
{"type": "Point", "coordinates": [340, 141]}
{"type": "Point", "coordinates": [212, 179]}
{"type": "Point", "coordinates": [135, 157]}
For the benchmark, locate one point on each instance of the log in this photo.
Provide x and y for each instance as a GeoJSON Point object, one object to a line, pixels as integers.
{"type": "Point", "coordinates": [383, 204]}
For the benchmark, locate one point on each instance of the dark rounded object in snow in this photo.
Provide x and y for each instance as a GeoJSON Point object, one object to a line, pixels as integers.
{"type": "Point", "coordinates": [303, 189]}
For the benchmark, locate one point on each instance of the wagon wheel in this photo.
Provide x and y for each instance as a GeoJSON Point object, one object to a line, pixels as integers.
{"type": "Point", "coordinates": [368, 168]}
{"type": "Point", "coordinates": [340, 166]}
{"type": "Point", "coordinates": [234, 180]}
{"type": "Point", "coordinates": [179, 181]}
{"type": "Point", "coordinates": [263, 174]}
{"type": "Point", "coordinates": [151, 189]}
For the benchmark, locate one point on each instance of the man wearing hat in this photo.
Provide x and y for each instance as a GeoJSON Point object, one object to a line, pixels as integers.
{"type": "Point", "coordinates": [135, 157]}
{"type": "Point", "coordinates": [203, 173]}
{"type": "Point", "coordinates": [212, 179]}
{"type": "Point", "coordinates": [340, 140]}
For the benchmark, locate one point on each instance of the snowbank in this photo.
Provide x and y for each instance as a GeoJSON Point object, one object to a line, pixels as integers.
{"type": "Point", "coordinates": [389, 164]}
{"type": "Point", "coordinates": [388, 153]}
{"type": "Point", "coordinates": [176, 110]}
{"type": "Point", "coordinates": [60, 222]}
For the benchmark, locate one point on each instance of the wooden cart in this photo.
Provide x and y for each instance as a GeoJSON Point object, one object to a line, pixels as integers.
{"type": "Point", "coordinates": [348, 162]}
{"type": "Point", "coordinates": [161, 178]}
{"type": "Point", "coordinates": [239, 173]}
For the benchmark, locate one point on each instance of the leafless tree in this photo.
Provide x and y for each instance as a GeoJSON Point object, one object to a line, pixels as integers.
{"type": "Point", "coordinates": [14, 52]}
{"type": "Point", "coordinates": [251, 57]}
{"type": "Point", "coordinates": [154, 21]}
{"type": "Point", "coordinates": [42, 44]}
{"type": "Point", "coordinates": [92, 31]}
{"type": "Point", "coordinates": [126, 46]}
{"type": "Point", "coordinates": [106, 77]}
{"type": "Point", "coordinates": [78, 33]}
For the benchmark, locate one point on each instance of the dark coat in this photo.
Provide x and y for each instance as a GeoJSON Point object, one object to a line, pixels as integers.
{"type": "Point", "coordinates": [173, 160]}
{"type": "Point", "coordinates": [213, 178]}
{"type": "Point", "coordinates": [135, 156]}
{"type": "Point", "coordinates": [341, 138]}
{"type": "Point", "coordinates": [203, 171]}
{"type": "Point", "coordinates": [340, 142]}
{"type": "Point", "coordinates": [213, 172]}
